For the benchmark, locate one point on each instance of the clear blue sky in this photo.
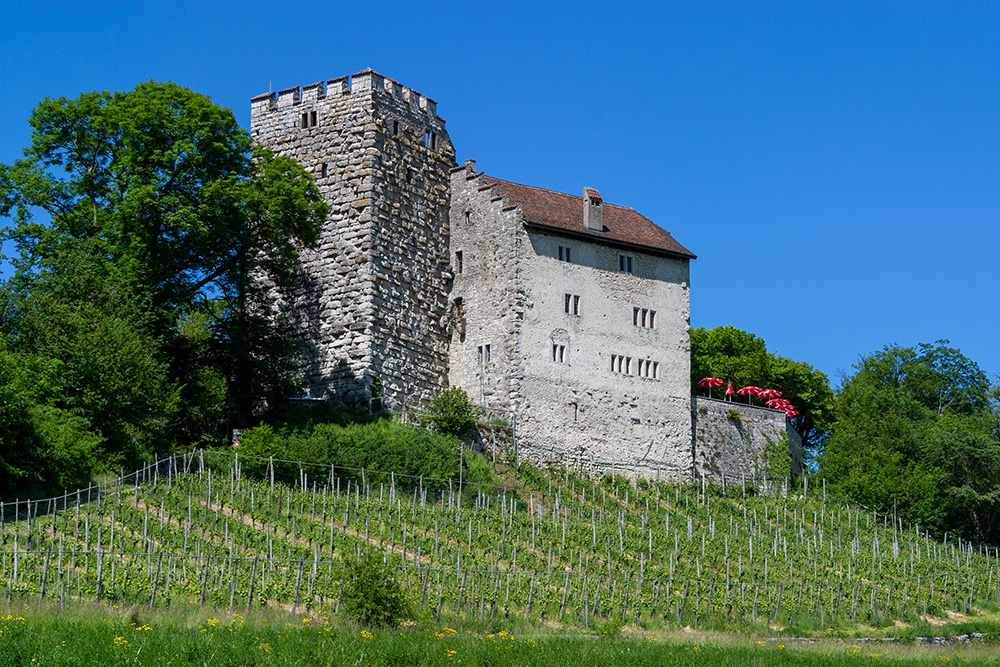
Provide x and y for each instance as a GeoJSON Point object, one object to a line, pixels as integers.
{"type": "Point", "coordinates": [835, 165]}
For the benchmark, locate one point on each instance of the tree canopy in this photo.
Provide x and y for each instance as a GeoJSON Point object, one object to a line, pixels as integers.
{"type": "Point", "coordinates": [916, 434]}
{"type": "Point", "coordinates": [153, 239]}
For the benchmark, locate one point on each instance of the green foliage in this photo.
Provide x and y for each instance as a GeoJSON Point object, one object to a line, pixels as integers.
{"type": "Point", "coordinates": [777, 458]}
{"type": "Point", "coordinates": [149, 276]}
{"type": "Point", "coordinates": [453, 412]}
{"type": "Point", "coordinates": [734, 414]}
{"type": "Point", "coordinates": [380, 444]}
{"type": "Point", "coordinates": [915, 434]}
{"type": "Point", "coordinates": [372, 596]}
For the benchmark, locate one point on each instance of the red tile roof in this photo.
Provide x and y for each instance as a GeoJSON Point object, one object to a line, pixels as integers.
{"type": "Point", "coordinates": [557, 213]}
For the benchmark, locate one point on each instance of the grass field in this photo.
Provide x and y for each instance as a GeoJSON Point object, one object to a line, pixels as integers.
{"type": "Point", "coordinates": [105, 635]}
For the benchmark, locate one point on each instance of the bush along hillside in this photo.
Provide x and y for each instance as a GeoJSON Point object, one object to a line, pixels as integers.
{"type": "Point", "coordinates": [552, 546]}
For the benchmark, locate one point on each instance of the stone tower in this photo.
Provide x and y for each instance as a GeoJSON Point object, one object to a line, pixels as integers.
{"type": "Point", "coordinates": [372, 299]}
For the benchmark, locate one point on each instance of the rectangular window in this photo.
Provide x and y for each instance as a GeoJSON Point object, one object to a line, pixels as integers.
{"type": "Point", "coordinates": [458, 261]}
{"type": "Point", "coordinates": [628, 365]}
{"type": "Point", "coordinates": [484, 354]}
{"type": "Point", "coordinates": [324, 170]}
{"type": "Point", "coordinates": [312, 119]}
{"type": "Point", "coordinates": [395, 127]}
{"type": "Point", "coordinates": [571, 304]}
{"type": "Point", "coordinates": [558, 353]}
{"type": "Point", "coordinates": [459, 308]}
{"type": "Point", "coordinates": [564, 254]}
{"type": "Point", "coordinates": [625, 263]}
{"type": "Point", "coordinates": [656, 370]}
{"type": "Point", "coordinates": [644, 317]}
{"type": "Point", "coordinates": [433, 140]}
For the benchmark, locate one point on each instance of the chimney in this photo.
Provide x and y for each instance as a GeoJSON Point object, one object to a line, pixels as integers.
{"type": "Point", "coordinates": [593, 212]}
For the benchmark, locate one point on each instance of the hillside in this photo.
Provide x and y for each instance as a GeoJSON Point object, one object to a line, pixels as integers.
{"type": "Point", "coordinates": [213, 528]}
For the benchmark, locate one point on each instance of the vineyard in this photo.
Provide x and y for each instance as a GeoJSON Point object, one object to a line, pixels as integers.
{"type": "Point", "coordinates": [236, 532]}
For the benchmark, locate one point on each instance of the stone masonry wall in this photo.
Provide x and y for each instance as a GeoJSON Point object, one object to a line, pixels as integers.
{"type": "Point", "coordinates": [578, 411]}
{"type": "Point", "coordinates": [726, 445]}
{"type": "Point", "coordinates": [370, 300]}
{"type": "Point", "coordinates": [487, 296]}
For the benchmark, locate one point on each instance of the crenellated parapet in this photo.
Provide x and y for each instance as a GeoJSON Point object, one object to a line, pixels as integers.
{"type": "Point", "coordinates": [367, 80]}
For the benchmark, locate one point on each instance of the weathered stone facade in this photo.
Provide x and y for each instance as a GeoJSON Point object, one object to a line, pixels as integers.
{"type": "Point", "coordinates": [372, 297]}
{"type": "Point", "coordinates": [733, 439]}
{"type": "Point", "coordinates": [566, 315]}
{"type": "Point", "coordinates": [555, 327]}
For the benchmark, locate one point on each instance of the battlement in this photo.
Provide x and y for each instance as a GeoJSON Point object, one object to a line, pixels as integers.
{"type": "Point", "coordinates": [360, 82]}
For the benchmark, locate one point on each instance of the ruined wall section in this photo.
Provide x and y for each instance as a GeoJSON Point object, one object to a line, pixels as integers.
{"type": "Point", "coordinates": [366, 302]}
{"type": "Point", "coordinates": [486, 301]}
{"type": "Point", "coordinates": [733, 438]}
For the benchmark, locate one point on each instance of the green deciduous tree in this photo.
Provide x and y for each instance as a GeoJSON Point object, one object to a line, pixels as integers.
{"type": "Point", "coordinates": [915, 433]}
{"type": "Point", "coordinates": [153, 240]}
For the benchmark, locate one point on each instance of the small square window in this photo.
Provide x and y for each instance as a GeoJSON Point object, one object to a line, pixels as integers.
{"type": "Point", "coordinates": [625, 263]}
{"type": "Point", "coordinates": [564, 254]}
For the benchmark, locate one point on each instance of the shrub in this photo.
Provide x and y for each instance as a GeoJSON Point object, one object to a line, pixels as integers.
{"type": "Point", "coordinates": [372, 595]}
{"type": "Point", "coordinates": [453, 412]}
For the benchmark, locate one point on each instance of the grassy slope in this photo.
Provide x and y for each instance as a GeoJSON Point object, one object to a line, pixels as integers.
{"type": "Point", "coordinates": [552, 546]}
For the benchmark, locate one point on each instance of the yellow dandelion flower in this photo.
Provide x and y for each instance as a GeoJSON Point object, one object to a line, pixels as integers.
{"type": "Point", "coordinates": [120, 641]}
{"type": "Point", "coordinates": [759, 643]}
{"type": "Point", "coordinates": [213, 622]}
{"type": "Point", "coordinates": [781, 646]}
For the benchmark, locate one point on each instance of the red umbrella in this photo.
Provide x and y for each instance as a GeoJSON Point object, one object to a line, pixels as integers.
{"type": "Point", "coordinates": [769, 393]}
{"type": "Point", "coordinates": [777, 403]}
{"type": "Point", "coordinates": [729, 389]}
{"type": "Point", "coordinates": [791, 413]}
{"type": "Point", "coordinates": [748, 392]}
{"type": "Point", "coordinates": [710, 383]}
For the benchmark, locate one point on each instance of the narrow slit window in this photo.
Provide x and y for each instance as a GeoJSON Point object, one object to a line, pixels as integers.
{"type": "Point", "coordinates": [656, 370]}
{"type": "Point", "coordinates": [576, 305]}
{"type": "Point", "coordinates": [652, 319]}
{"type": "Point", "coordinates": [305, 120]}
{"type": "Point", "coordinates": [324, 170]}
{"type": "Point", "coordinates": [458, 261]}
{"type": "Point", "coordinates": [395, 127]}
{"type": "Point", "coordinates": [312, 119]}
{"type": "Point", "coordinates": [427, 137]}
{"type": "Point", "coordinates": [433, 140]}
{"type": "Point", "coordinates": [459, 308]}
{"type": "Point", "coordinates": [635, 316]}
{"type": "Point", "coordinates": [558, 353]}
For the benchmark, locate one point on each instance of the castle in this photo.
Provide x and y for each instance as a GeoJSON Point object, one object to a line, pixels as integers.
{"type": "Point", "coordinates": [566, 314]}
